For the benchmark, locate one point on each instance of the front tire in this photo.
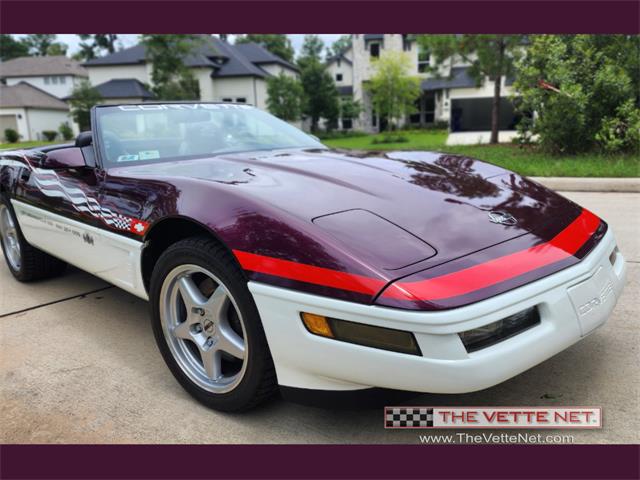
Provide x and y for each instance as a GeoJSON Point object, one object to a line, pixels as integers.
{"type": "Point", "coordinates": [25, 262]}
{"type": "Point", "coordinates": [207, 326]}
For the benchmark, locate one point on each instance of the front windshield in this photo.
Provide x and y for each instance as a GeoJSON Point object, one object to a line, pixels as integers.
{"type": "Point", "coordinates": [163, 132]}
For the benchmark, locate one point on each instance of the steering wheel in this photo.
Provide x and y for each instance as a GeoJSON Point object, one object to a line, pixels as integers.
{"type": "Point", "coordinates": [113, 147]}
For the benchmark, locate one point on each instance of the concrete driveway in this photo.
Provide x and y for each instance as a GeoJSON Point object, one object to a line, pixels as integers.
{"type": "Point", "coordinates": [79, 367]}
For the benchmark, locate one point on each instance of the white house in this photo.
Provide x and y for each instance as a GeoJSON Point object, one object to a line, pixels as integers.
{"type": "Point", "coordinates": [225, 72]}
{"type": "Point", "coordinates": [451, 96]}
{"type": "Point", "coordinates": [30, 111]}
{"type": "Point", "coordinates": [56, 75]}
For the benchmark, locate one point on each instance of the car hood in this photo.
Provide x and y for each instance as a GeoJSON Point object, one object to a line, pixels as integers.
{"type": "Point", "coordinates": [395, 211]}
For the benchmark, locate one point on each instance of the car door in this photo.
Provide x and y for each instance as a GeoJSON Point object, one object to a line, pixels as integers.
{"type": "Point", "coordinates": [59, 206]}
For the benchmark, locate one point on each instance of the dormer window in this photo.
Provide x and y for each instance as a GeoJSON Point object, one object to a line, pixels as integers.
{"type": "Point", "coordinates": [374, 50]}
{"type": "Point", "coordinates": [424, 60]}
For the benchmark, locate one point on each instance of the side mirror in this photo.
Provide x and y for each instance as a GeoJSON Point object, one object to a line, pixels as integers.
{"type": "Point", "coordinates": [64, 158]}
{"type": "Point", "coordinates": [84, 139]}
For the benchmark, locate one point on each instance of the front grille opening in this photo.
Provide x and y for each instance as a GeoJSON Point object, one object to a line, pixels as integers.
{"type": "Point", "coordinates": [496, 332]}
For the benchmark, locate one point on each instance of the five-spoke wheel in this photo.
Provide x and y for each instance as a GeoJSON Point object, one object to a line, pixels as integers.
{"type": "Point", "coordinates": [207, 326]}
{"type": "Point", "coordinates": [204, 328]}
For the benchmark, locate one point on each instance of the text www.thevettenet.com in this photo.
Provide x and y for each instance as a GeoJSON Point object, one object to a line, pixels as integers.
{"type": "Point", "coordinates": [525, 438]}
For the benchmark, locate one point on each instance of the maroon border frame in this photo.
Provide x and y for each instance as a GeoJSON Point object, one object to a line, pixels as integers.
{"type": "Point", "coordinates": [72, 462]}
{"type": "Point", "coordinates": [320, 16]}
{"type": "Point", "coordinates": [321, 461]}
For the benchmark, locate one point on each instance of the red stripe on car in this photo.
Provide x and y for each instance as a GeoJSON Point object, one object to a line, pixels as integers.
{"type": "Point", "coordinates": [465, 281]}
{"type": "Point", "coordinates": [309, 273]}
{"type": "Point", "coordinates": [461, 282]}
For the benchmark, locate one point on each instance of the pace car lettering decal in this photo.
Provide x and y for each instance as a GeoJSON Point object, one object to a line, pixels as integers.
{"type": "Point", "coordinates": [461, 282]}
{"type": "Point", "coordinates": [51, 185]}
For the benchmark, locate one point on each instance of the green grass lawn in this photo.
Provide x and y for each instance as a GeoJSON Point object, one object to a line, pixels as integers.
{"type": "Point", "coordinates": [19, 145]}
{"type": "Point", "coordinates": [526, 160]}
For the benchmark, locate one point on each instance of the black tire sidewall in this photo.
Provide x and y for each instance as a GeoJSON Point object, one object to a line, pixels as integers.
{"type": "Point", "coordinates": [258, 358]}
{"type": "Point", "coordinates": [18, 274]}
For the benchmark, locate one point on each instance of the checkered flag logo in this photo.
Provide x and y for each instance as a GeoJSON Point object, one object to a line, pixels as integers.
{"type": "Point", "coordinates": [408, 417]}
{"type": "Point", "coordinates": [120, 222]}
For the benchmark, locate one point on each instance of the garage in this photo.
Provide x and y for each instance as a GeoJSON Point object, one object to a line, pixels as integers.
{"type": "Point", "coordinates": [474, 114]}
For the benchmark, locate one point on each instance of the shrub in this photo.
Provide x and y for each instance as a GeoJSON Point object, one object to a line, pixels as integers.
{"type": "Point", "coordinates": [66, 131]}
{"type": "Point", "coordinates": [621, 133]}
{"type": "Point", "coordinates": [11, 135]}
{"type": "Point", "coordinates": [49, 135]}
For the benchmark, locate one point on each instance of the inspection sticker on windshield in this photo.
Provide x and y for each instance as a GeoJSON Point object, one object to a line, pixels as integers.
{"type": "Point", "coordinates": [128, 158]}
{"type": "Point", "coordinates": [149, 154]}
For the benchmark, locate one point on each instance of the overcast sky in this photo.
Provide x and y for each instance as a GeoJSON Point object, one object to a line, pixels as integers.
{"type": "Point", "coordinates": [128, 40]}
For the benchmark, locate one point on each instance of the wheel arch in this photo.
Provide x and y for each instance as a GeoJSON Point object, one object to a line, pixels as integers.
{"type": "Point", "coordinates": [167, 232]}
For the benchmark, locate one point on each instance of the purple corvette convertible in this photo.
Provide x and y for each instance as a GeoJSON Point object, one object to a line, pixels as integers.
{"type": "Point", "coordinates": [271, 261]}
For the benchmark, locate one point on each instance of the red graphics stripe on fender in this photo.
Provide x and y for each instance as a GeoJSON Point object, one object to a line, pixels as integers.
{"type": "Point", "coordinates": [562, 246]}
{"type": "Point", "coordinates": [309, 273]}
{"type": "Point", "coordinates": [465, 281]}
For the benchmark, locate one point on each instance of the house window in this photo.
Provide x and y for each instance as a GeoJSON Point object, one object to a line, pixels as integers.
{"type": "Point", "coordinates": [241, 100]}
{"type": "Point", "coordinates": [339, 62]}
{"type": "Point", "coordinates": [406, 43]}
{"type": "Point", "coordinates": [227, 100]}
{"type": "Point", "coordinates": [424, 60]}
{"type": "Point", "coordinates": [62, 80]}
{"type": "Point", "coordinates": [374, 50]}
{"type": "Point", "coordinates": [47, 80]}
{"type": "Point", "coordinates": [338, 77]}
{"type": "Point", "coordinates": [347, 123]}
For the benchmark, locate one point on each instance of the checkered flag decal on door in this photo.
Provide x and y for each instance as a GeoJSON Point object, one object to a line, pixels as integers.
{"type": "Point", "coordinates": [120, 222]}
{"type": "Point", "coordinates": [408, 417]}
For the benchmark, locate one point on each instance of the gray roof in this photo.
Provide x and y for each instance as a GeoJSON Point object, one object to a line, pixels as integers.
{"type": "Point", "coordinates": [37, 66]}
{"type": "Point", "coordinates": [373, 36]}
{"type": "Point", "coordinates": [346, 90]}
{"type": "Point", "coordinates": [459, 78]}
{"type": "Point", "coordinates": [340, 56]}
{"type": "Point", "coordinates": [123, 88]}
{"type": "Point", "coordinates": [25, 95]}
{"type": "Point", "coordinates": [225, 59]}
{"type": "Point", "coordinates": [257, 54]}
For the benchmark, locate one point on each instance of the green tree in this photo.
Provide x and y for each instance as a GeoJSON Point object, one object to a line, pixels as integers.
{"type": "Point", "coordinates": [349, 108]}
{"type": "Point", "coordinates": [584, 90]}
{"type": "Point", "coordinates": [82, 99]}
{"type": "Point", "coordinates": [39, 43]}
{"type": "Point", "coordinates": [393, 90]}
{"type": "Point", "coordinates": [276, 43]}
{"type": "Point", "coordinates": [12, 48]}
{"type": "Point", "coordinates": [312, 47]}
{"type": "Point", "coordinates": [56, 49]}
{"type": "Point", "coordinates": [492, 56]}
{"type": "Point", "coordinates": [94, 45]}
{"type": "Point", "coordinates": [341, 45]}
{"type": "Point", "coordinates": [321, 98]}
{"type": "Point", "coordinates": [171, 78]}
{"type": "Point", "coordinates": [285, 97]}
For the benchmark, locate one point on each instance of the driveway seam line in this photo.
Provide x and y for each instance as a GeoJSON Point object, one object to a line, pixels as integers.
{"type": "Point", "coordinates": [80, 295]}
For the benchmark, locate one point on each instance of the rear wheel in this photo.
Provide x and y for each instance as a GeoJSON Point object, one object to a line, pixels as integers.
{"type": "Point", "coordinates": [26, 262]}
{"type": "Point", "coordinates": [208, 328]}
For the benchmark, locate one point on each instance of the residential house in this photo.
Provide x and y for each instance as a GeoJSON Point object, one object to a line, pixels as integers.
{"type": "Point", "coordinates": [56, 75]}
{"type": "Point", "coordinates": [30, 111]}
{"type": "Point", "coordinates": [449, 96]}
{"type": "Point", "coordinates": [225, 72]}
{"type": "Point", "coordinates": [340, 67]}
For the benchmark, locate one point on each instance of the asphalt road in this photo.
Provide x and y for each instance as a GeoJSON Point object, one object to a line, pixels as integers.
{"type": "Point", "coordinates": [78, 367]}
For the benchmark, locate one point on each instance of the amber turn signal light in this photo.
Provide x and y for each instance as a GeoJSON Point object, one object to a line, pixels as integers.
{"type": "Point", "coordinates": [317, 324]}
{"type": "Point", "coordinates": [361, 334]}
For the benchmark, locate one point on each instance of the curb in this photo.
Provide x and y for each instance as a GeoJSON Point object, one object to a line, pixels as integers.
{"type": "Point", "coordinates": [587, 184]}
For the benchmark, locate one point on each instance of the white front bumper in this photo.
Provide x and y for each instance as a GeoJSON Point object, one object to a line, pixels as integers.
{"type": "Point", "coordinates": [304, 360]}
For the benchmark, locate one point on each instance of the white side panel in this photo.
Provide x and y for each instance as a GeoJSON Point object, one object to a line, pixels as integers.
{"type": "Point", "coordinates": [112, 257]}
